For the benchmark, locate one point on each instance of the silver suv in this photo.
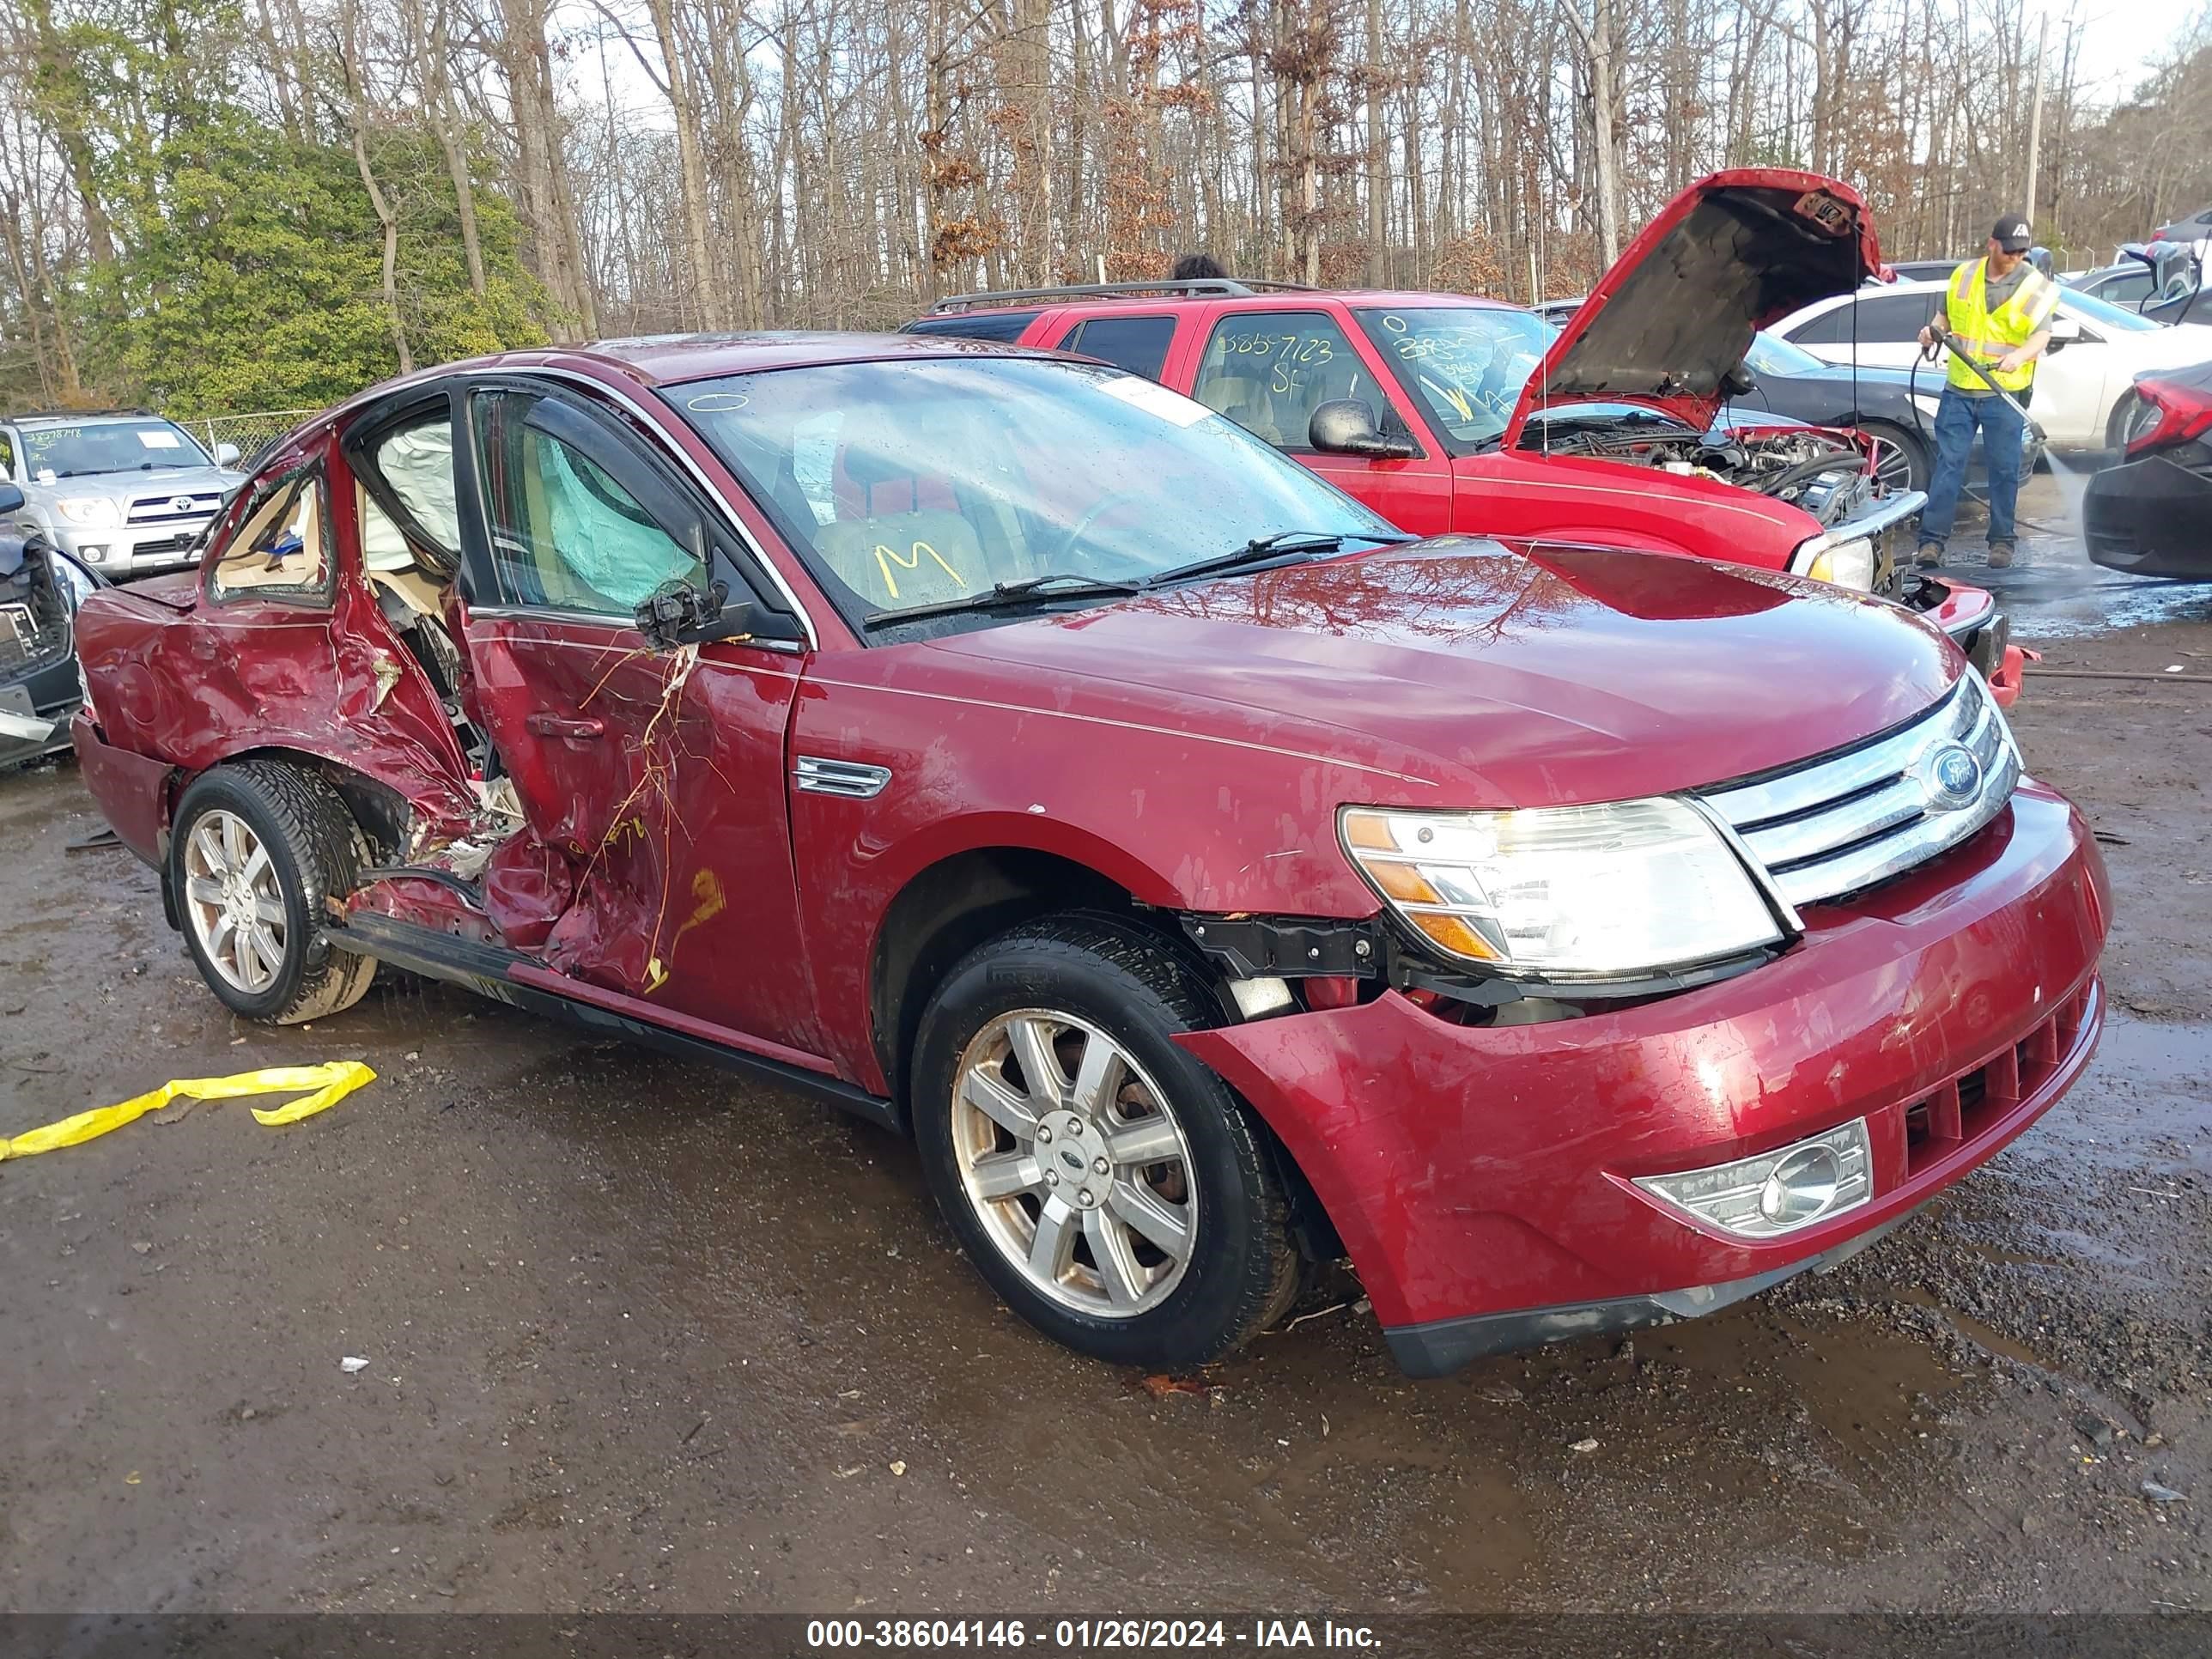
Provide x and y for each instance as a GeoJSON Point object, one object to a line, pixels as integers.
{"type": "Point", "coordinates": [125, 491]}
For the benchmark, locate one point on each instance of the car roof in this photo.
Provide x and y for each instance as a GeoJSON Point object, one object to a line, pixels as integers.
{"type": "Point", "coordinates": [655, 360]}
{"type": "Point", "coordinates": [1292, 300]}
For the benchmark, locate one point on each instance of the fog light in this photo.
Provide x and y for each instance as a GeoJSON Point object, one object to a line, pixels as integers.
{"type": "Point", "coordinates": [1776, 1192]}
{"type": "Point", "coordinates": [90, 554]}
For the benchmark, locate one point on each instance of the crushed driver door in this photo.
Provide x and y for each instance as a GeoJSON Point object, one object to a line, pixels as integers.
{"type": "Point", "coordinates": [653, 782]}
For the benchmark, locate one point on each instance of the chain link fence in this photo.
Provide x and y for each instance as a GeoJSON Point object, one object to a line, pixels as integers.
{"type": "Point", "coordinates": [252, 433]}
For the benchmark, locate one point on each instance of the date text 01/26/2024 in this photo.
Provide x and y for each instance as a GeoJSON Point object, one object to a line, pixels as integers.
{"type": "Point", "coordinates": [1084, 1635]}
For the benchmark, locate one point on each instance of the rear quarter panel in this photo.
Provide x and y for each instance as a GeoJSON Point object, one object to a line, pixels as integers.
{"type": "Point", "coordinates": [192, 684]}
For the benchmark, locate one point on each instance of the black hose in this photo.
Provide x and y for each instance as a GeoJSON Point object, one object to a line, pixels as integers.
{"type": "Point", "coordinates": [1837, 459]}
{"type": "Point", "coordinates": [1927, 443]}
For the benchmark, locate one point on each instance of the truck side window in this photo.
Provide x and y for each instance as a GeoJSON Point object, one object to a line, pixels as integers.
{"type": "Point", "coordinates": [282, 550]}
{"type": "Point", "coordinates": [1269, 370]}
{"type": "Point", "coordinates": [564, 534]}
{"type": "Point", "coordinates": [1139, 345]}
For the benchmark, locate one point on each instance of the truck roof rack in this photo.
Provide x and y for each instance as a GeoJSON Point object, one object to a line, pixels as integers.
{"type": "Point", "coordinates": [1204, 288]}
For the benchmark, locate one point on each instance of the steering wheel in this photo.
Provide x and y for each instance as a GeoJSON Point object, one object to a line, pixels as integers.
{"type": "Point", "coordinates": [1067, 543]}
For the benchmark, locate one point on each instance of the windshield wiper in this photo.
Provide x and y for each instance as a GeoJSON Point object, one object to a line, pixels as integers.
{"type": "Point", "coordinates": [1059, 585]}
{"type": "Point", "coordinates": [1283, 545]}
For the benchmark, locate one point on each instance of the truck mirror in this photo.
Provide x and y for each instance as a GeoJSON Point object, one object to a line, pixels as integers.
{"type": "Point", "coordinates": [1346, 426]}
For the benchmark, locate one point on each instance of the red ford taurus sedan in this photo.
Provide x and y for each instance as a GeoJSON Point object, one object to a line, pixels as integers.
{"type": "Point", "coordinates": [1212, 879]}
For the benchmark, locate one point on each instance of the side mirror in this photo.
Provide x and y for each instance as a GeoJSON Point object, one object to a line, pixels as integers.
{"type": "Point", "coordinates": [2065, 331]}
{"type": "Point", "coordinates": [11, 499]}
{"type": "Point", "coordinates": [1346, 426]}
{"type": "Point", "coordinates": [226, 455]}
{"type": "Point", "coordinates": [1740, 381]}
{"type": "Point", "coordinates": [677, 613]}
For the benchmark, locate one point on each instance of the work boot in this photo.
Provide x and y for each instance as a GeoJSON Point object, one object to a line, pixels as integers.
{"type": "Point", "coordinates": [1930, 556]}
{"type": "Point", "coordinates": [2000, 555]}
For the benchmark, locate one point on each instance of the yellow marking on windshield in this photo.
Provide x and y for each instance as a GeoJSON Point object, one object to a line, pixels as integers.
{"type": "Point", "coordinates": [911, 560]}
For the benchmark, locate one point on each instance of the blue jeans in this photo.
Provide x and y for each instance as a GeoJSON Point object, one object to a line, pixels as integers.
{"type": "Point", "coordinates": [2001, 433]}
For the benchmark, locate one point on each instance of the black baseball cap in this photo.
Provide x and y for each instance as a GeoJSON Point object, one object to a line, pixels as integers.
{"type": "Point", "coordinates": [2011, 234]}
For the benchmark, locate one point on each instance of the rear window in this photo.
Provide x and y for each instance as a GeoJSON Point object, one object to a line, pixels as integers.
{"type": "Point", "coordinates": [1139, 345]}
{"type": "Point", "coordinates": [975, 325]}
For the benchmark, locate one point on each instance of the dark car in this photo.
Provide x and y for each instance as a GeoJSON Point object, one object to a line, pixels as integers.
{"type": "Point", "coordinates": [2152, 514]}
{"type": "Point", "coordinates": [1895, 406]}
{"type": "Point", "coordinates": [2194, 229]}
{"type": "Point", "coordinates": [2128, 284]}
{"type": "Point", "coordinates": [39, 691]}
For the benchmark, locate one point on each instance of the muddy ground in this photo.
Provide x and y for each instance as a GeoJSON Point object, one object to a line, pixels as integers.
{"type": "Point", "coordinates": [642, 1337]}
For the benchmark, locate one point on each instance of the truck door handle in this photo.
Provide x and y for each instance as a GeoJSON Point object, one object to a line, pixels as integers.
{"type": "Point", "coordinates": [555, 726]}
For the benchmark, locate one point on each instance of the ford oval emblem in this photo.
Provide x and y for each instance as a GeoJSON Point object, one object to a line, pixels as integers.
{"type": "Point", "coordinates": [1953, 777]}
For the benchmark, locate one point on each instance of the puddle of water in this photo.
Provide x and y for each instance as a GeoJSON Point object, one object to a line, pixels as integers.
{"type": "Point", "coordinates": [2146, 1086]}
{"type": "Point", "coordinates": [2053, 590]}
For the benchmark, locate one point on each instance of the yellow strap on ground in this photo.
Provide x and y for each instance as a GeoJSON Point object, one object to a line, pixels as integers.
{"type": "Point", "coordinates": [331, 1082]}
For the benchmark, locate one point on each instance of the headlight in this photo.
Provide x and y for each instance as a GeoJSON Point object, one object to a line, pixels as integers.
{"type": "Point", "coordinates": [93, 512]}
{"type": "Point", "coordinates": [1931, 407]}
{"type": "Point", "coordinates": [1776, 1192]}
{"type": "Point", "coordinates": [1846, 563]}
{"type": "Point", "coordinates": [1603, 892]}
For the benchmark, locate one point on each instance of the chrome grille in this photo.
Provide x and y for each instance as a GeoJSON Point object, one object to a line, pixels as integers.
{"type": "Point", "coordinates": [175, 508]}
{"type": "Point", "coordinates": [1847, 821]}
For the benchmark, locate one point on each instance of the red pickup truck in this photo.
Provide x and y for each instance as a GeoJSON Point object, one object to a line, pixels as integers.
{"type": "Point", "coordinates": [1446, 413]}
{"type": "Point", "coordinates": [1212, 879]}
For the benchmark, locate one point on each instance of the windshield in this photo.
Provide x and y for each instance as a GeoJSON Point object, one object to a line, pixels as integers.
{"type": "Point", "coordinates": [2104, 314]}
{"type": "Point", "coordinates": [1771, 354]}
{"type": "Point", "coordinates": [912, 484]}
{"type": "Point", "coordinates": [72, 452]}
{"type": "Point", "coordinates": [1466, 363]}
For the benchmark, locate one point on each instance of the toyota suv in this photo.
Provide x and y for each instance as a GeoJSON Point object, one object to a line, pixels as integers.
{"type": "Point", "coordinates": [122, 491]}
{"type": "Point", "coordinates": [1213, 880]}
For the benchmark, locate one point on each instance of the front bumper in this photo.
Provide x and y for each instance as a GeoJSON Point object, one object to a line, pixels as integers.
{"type": "Point", "coordinates": [132, 550]}
{"type": "Point", "coordinates": [1482, 1178]}
{"type": "Point", "coordinates": [1969, 619]}
{"type": "Point", "coordinates": [46, 695]}
{"type": "Point", "coordinates": [2152, 517]}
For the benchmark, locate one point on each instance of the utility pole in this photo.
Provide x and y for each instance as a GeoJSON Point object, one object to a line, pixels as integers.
{"type": "Point", "coordinates": [2035, 116]}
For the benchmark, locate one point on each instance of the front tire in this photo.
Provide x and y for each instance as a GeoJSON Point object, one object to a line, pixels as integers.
{"type": "Point", "coordinates": [258, 849]}
{"type": "Point", "coordinates": [1109, 1186]}
{"type": "Point", "coordinates": [1902, 463]}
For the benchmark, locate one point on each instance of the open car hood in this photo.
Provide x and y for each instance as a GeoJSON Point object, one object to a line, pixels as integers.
{"type": "Point", "coordinates": [1675, 314]}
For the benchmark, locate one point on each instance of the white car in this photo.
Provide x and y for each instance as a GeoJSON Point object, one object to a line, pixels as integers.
{"type": "Point", "coordinates": [2097, 350]}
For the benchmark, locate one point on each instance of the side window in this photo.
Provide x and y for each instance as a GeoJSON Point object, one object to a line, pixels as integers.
{"type": "Point", "coordinates": [1269, 370]}
{"type": "Point", "coordinates": [415, 462]}
{"type": "Point", "coordinates": [1139, 345]}
{"type": "Point", "coordinates": [8, 453]}
{"type": "Point", "coordinates": [564, 534]}
{"type": "Point", "coordinates": [1829, 328]}
{"type": "Point", "coordinates": [2127, 289]}
{"type": "Point", "coordinates": [283, 549]}
{"type": "Point", "coordinates": [1891, 319]}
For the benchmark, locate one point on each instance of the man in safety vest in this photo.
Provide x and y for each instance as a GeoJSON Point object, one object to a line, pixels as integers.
{"type": "Point", "coordinates": [1997, 310]}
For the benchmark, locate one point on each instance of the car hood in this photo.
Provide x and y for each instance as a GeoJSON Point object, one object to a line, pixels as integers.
{"type": "Point", "coordinates": [150, 481]}
{"type": "Point", "coordinates": [1674, 315]}
{"type": "Point", "coordinates": [1547, 677]}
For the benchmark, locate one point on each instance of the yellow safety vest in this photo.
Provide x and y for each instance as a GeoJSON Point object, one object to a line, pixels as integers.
{"type": "Point", "coordinates": [1987, 335]}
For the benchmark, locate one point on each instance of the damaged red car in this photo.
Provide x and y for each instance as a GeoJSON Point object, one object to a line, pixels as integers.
{"type": "Point", "coordinates": [1212, 880]}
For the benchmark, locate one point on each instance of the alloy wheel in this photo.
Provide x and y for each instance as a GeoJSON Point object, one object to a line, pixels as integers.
{"type": "Point", "coordinates": [232, 901]}
{"type": "Point", "coordinates": [1892, 467]}
{"type": "Point", "coordinates": [1075, 1163]}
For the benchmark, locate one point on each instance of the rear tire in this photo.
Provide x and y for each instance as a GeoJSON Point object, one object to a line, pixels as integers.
{"type": "Point", "coordinates": [1178, 1251]}
{"type": "Point", "coordinates": [258, 848]}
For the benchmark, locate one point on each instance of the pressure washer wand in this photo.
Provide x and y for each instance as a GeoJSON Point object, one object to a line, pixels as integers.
{"type": "Point", "coordinates": [1945, 340]}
